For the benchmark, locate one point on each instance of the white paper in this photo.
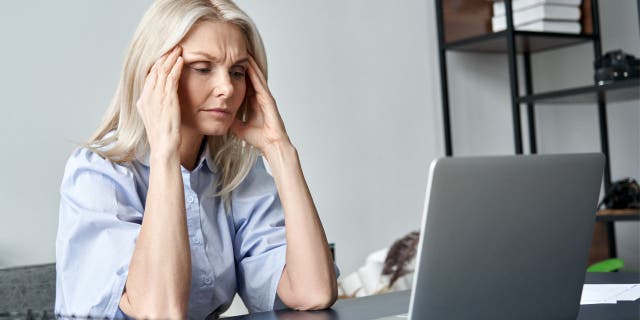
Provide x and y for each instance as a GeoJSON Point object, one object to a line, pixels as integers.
{"type": "Point", "coordinates": [609, 293]}
{"type": "Point", "coordinates": [630, 295]}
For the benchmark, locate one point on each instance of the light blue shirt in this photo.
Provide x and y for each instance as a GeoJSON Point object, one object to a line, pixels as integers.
{"type": "Point", "coordinates": [101, 211]}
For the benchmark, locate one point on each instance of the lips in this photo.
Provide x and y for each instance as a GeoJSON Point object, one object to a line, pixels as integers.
{"type": "Point", "coordinates": [217, 110]}
{"type": "Point", "coordinates": [217, 113]}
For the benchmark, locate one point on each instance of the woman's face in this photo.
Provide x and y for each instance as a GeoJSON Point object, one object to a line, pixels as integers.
{"type": "Point", "coordinates": [212, 84]}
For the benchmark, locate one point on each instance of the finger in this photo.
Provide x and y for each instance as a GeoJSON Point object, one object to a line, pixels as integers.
{"type": "Point", "coordinates": [150, 82]}
{"type": "Point", "coordinates": [174, 75]}
{"type": "Point", "coordinates": [154, 72]}
{"type": "Point", "coordinates": [259, 85]}
{"type": "Point", "coordinates": [160, 61]}
{"type": "Point", "coordinates": [254, 65]}
{"type": "Point", "coordinates": [165, 66]}
{"type": "Point", "coordinates": [170, 59]}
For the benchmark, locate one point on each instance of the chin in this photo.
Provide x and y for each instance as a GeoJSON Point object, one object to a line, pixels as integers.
{"type": "Point", "coordinates": [218, 130]}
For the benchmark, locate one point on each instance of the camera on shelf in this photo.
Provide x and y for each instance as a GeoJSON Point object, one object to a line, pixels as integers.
{"type": "Point", "coordinates": [614, 66]}
{"type": "Point", "coordinates": [623, 194]}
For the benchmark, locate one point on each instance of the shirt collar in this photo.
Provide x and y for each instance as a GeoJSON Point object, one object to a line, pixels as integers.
{"type": "Point", "coordinates": [142, 155]}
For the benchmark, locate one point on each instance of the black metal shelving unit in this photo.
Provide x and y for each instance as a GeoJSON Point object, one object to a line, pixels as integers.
{"type": "Point", "coordinates": [613, 92]}
{"type": "Point", "coordinates": [525, 43]}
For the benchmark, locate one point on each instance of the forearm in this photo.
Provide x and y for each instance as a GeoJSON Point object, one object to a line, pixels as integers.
{"type": "Point", "coordinates": [309, 280]}
{"type": "Point", "coordinates": [160, 271]}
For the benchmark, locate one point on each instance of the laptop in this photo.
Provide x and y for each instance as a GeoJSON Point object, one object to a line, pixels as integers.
{"type": "Point", "coordinates": [505, 237]}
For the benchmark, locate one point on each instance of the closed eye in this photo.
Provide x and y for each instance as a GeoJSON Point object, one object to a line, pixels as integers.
{"type": "Point", "coordinates": [201, 67]}
{"type": "Point", "coordinates": [202, 70]}
{"type": "Point", "coordinates": [236, 72]}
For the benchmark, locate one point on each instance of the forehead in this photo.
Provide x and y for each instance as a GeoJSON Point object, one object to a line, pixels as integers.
{"type": "Point", "coordinates": [219, 39]}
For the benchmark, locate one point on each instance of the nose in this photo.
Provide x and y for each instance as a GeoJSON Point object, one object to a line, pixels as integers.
{"type": "Point", "coordinates": [222, 87]}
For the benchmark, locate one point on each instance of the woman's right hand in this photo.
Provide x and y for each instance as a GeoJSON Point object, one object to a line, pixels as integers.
{"type": "Point", "coordinates": [159, 106]}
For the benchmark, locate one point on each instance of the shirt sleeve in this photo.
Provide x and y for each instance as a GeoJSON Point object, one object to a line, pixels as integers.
{"type": "Point", "coordinates": [259, 244]}
{"type": "Point", "coordinates": [99, 221]}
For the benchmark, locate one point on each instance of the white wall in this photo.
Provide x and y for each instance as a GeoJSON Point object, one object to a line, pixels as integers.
{"type": "Point", "coordinates": [357, 85]}
{"type": "Point", "coordinates": [60, 64]}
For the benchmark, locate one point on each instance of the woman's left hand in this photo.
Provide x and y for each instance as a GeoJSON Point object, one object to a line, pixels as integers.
{"type": "Point", "coordinates": [264, 128]}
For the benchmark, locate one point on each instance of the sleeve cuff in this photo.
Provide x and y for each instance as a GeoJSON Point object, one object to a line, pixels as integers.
{"type": "Point", "coordinates": [276, 303]}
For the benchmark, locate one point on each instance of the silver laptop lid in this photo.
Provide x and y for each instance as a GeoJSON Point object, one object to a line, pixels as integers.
{"type": "Point", "coordinates": [506, 237]}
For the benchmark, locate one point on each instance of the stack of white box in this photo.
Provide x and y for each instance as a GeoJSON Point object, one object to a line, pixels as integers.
{"type": "Point", "coordinates": [561, 16]}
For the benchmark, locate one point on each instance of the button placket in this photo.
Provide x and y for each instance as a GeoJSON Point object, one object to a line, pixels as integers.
{"type": "Point", "coordinates": [191, 201]}
{"type": "Point", "coordinates": [205, 276]}
{"type": "Point", "coordinates": [194, 220]}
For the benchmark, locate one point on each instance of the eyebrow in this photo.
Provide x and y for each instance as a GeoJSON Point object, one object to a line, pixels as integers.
{"type": "Point", "coordinates": [210, 57]}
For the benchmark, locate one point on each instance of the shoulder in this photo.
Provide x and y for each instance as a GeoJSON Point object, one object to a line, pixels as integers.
{"type": "Point", "coordinates": [91, 177]}
{"type": "Point", "coordinates": [92, 182]}
{"type": "Point", "coordinates": [86, 161]}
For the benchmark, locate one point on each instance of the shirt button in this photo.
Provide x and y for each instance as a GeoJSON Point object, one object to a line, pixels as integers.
{"type": "Point", "coordinates": [207, 280]}
{"type": "Point", "coordinates": [190, 199]}
{"type": "Point", "coordinates": [196, 240]}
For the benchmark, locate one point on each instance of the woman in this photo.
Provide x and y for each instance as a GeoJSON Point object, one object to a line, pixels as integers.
{"type": "Point", "coordinates": [168, 211]}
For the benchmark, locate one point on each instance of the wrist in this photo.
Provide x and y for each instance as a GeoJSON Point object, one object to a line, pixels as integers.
{"type": "Point", "coordinates": [278, 149]}
{"type": "Point", "coordinates": [164, 159]}
{"type": "Point", "coordinates": [279, 155]}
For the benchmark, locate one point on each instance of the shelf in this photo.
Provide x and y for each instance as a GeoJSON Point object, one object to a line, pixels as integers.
{"type": "Point", "coordinates": [617, 91]}
{"type": "Point", "coordinates": [526, 41]}
{"type": "Point", "coordinates": [618, 215]}
{"type": "Point", "coordinates": [466, 24]}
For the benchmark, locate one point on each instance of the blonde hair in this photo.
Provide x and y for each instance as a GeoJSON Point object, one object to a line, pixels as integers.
{"type": "Point", "coordinates": [162, 27]}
